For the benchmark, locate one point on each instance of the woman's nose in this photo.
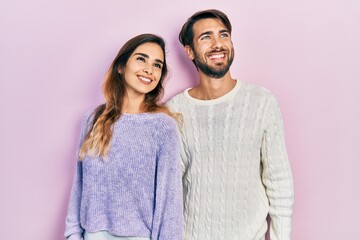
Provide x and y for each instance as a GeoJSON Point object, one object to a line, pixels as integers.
{"type": "Point", "coordinates": [148, 70]}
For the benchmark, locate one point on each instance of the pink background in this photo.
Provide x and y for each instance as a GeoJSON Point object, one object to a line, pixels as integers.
{"type": "Point", "coordinates": [54, 54]}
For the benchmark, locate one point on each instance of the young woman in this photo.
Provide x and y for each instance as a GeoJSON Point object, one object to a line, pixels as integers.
{"type": "Point", "coordinates": [128, 179]}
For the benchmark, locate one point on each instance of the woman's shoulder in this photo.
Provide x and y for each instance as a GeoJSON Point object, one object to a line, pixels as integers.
{"type": "Point", "coordinates": [163, 124]}
{"type": "Point", "coordinates": [89, 114]}
{"type": "Point", "coordinates": [164, 120]}
{"type": "Point", "coordinates": [166, 128]}
{"type": "Point", "coordinates": [159, 119]}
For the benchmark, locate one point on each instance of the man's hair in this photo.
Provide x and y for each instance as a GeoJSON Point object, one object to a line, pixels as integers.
{"type": "Point", "coordinates": [186, 35]}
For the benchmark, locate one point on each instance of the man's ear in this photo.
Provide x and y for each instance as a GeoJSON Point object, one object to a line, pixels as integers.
{"type": "Point", "coordinates": [189, 52]}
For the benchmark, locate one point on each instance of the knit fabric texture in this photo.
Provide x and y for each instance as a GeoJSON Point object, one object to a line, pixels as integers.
{"type": "Point", "coordinates": [235, 166]}
{"type": "Point", "coordinates": [136, 190]}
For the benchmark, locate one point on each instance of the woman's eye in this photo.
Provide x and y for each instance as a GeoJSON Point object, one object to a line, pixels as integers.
{"type": "Point", "coordinates": [141, 59]}
{"type": "Point", "coordinates": [157, 65]}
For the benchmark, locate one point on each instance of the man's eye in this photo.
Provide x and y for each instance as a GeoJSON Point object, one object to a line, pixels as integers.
{"type": "Point", "coordinates": [205, 37]}
{"type": "Point", "coordinates": [224, 35]}
{"type": "Point", "coordinates": [141, 59]}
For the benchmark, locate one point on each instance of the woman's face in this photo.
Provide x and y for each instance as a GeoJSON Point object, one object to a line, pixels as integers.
{"type": "Point", "coordinates": [143, 69]}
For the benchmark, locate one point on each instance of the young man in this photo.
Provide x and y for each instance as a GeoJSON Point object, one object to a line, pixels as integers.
{"type": "Point", "coordinates": [235, 165]}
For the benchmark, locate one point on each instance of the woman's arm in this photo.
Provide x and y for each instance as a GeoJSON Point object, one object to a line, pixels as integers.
{"type": "Point", "coordinates": [73, 229]}
{"type": "Point", "coordinates": [168, 214]}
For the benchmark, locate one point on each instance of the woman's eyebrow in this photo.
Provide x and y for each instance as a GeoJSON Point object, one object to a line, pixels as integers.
{"type": "Point", "coordinates": [147, 56]}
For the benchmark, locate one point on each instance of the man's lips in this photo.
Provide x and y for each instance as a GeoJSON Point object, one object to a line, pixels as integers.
{"type": "Point", "coordinates": [217, 56]}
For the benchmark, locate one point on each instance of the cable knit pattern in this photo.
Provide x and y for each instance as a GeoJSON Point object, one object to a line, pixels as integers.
{"type": "Point", "coordinates": [237, 143]}
{"type": "Point", "coordinates": [136, 191]}
{"type": "Point", "coordinates": [196, 186]}
{"type": "Point", "coordinates": [210, 176]}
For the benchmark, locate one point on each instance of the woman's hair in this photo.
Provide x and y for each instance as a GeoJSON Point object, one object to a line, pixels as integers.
{"type": "Point", "coordinates": [186, 35]}
{"type": "Point", "coordinates": [97, 140]}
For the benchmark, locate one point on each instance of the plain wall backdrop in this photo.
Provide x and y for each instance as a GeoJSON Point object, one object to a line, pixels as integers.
{"type": "Point", "coordinates": [54, 55]}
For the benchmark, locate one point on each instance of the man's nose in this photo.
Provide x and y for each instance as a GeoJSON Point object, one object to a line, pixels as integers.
{"type": "Point", "coordinates": [216, 43]}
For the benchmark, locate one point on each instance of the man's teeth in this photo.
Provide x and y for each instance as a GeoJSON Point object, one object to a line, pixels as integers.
{"type": "Point", "coordinates": [145, 79]}
{"type": "Point", "coordinates": [217, 56]}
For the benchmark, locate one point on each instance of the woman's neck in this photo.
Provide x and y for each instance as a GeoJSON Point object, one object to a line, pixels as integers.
{"type": "Point", "coordinates": [133, 104]}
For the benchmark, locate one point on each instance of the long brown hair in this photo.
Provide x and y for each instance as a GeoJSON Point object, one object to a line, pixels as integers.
{"type": "Point", "coordinates": [97, 140]}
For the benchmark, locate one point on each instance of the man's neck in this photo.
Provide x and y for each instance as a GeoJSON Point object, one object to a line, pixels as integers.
{"type": "Point", "coordinates": [212, 88]}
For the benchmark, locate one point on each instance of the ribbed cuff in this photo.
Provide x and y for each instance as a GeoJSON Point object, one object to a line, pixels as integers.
{"type": "Point", "coordinates": [76, 236]}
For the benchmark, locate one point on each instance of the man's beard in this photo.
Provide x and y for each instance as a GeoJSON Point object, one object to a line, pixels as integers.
{"type": "Point", "coordinates": [214, 72]}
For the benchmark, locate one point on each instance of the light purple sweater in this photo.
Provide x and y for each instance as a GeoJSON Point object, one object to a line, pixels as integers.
{"type": "Point", "coordinates": [136, 191]}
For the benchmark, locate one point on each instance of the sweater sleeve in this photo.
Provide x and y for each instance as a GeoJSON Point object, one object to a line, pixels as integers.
{"type": "Point", "coordinates": [276, 175]}
{"type": "Point", "coordinates": [73, 229]}
{"type": "Point", "coordinates": [173, 105]}
{"type": "Point", "coordinates": [168, 213]}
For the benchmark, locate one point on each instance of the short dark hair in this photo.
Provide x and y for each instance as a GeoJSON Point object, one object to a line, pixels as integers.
{"type": "Point", "coordinates": [186, 35]}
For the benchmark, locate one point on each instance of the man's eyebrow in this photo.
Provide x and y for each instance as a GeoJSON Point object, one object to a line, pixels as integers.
{"type": "Point", "coordinates": [147, 56]}
{"type": "Point", "coordinates": [224, 31]}
{"type": "Point", "coordinates": [205, 33]}
{"type": "Point", "coordinates": [211, 32]}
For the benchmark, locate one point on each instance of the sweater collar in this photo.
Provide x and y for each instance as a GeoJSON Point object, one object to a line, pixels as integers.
{"type": "Point", "coordinates": [223, 98]}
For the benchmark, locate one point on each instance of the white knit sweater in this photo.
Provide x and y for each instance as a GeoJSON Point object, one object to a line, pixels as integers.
{"type": "Point", "coordinates": [235, 166]}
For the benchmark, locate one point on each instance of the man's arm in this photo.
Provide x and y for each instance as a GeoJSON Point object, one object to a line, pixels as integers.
{"type": "Point", "coordinates": [276, 175]}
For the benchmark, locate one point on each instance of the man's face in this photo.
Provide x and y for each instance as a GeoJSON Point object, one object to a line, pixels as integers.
{"type": "Point", "coordinates": [213, 51]}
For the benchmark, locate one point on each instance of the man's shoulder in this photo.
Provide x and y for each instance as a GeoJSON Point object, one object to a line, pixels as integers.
{"type": "Point", "coordinates": [175, 101]}
{"type": "Point", "coordinates": [256, 90]}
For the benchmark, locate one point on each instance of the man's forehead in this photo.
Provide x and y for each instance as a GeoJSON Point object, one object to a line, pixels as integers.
{"type": "Point", "coordinates": [208, 24]}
